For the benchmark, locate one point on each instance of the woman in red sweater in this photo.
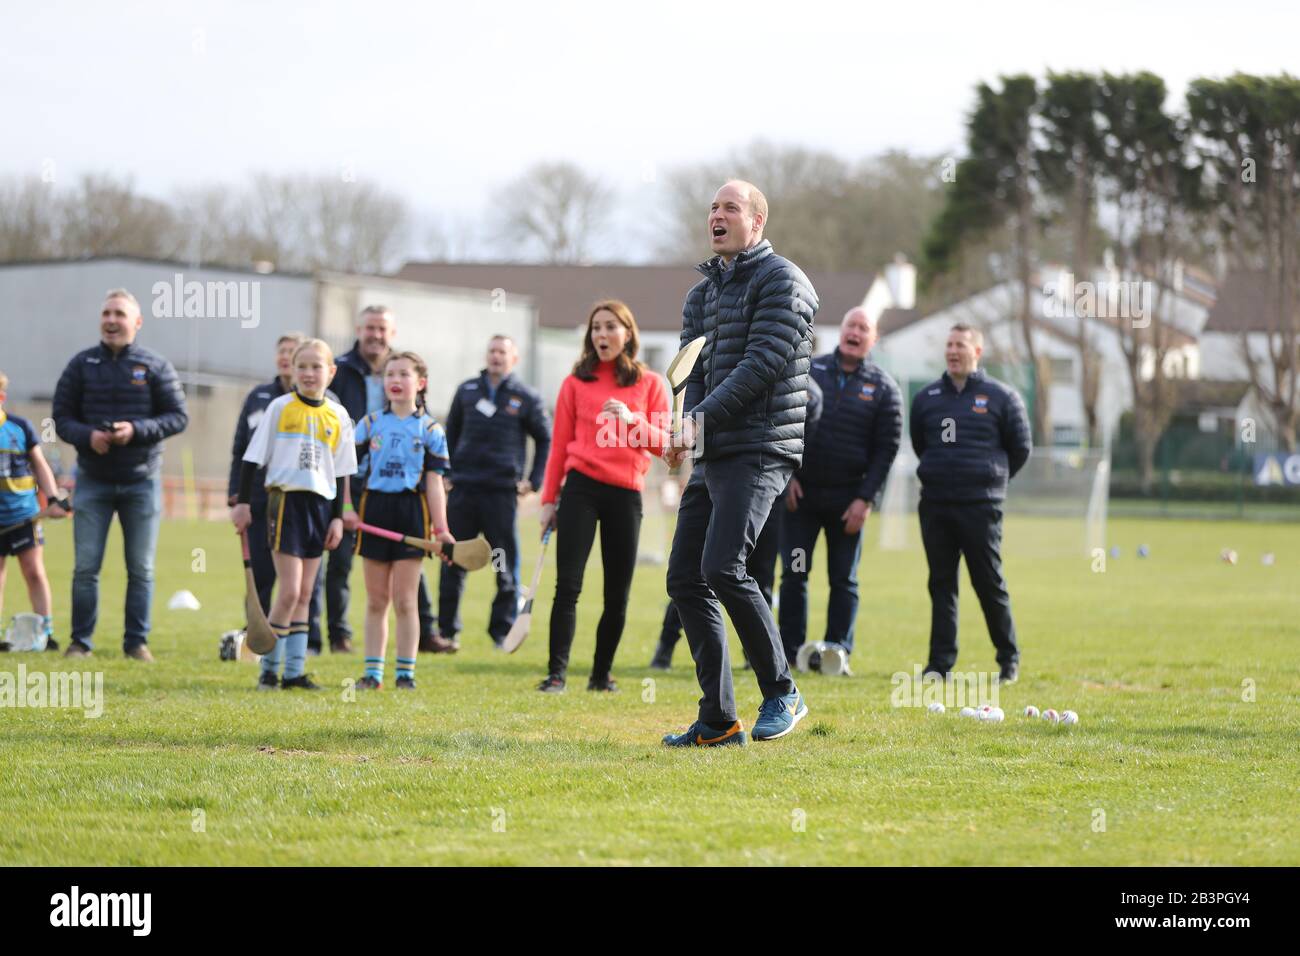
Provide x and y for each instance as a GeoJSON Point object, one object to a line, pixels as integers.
{"type": "Point", "coordinates": [611, 416]}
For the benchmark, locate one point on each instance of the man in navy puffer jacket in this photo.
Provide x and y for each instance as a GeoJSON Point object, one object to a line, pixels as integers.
{"type": "Point", "coordinates": [971, 435]}
{"type": "Point", "coordinates": [116, 403]}
{"type": "Point", "coordinates": [746, 398]}
{"type": "Point", "coordinates": [844, 469]}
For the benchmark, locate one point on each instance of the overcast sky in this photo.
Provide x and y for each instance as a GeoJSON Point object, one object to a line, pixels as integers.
{"type": "Point", "coordinates": [443, 104]}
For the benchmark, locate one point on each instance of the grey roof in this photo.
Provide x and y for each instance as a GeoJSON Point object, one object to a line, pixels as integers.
{"type": "Point", "coordinates": [655, 293]}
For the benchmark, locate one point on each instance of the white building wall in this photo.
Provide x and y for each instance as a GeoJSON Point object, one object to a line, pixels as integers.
{"type": "Point", "coordinates": [449, 328]}
{"type": "Point", "coordinates": [52, 312]}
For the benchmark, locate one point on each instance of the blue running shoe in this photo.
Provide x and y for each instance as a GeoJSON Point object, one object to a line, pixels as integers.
{"type": "Point", "coordinates": [778, 715]}
{"type": "Point", "coordinates": [700, 734]}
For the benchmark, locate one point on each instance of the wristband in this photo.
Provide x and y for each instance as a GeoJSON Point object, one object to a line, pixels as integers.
{"type": "Point", "coordinates": [347, 506]}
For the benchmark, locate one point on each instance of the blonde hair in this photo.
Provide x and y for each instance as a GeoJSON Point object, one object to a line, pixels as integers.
{"type": "Point", "coordinates": [320, 345]}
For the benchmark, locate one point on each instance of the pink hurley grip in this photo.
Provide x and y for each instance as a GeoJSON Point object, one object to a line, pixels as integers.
{"type": "Point", "coordinates": [243, 540]}
{"type": "Point", "coordinates": [382, 532]}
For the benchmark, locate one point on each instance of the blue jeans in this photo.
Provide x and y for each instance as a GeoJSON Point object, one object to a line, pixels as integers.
{"type": "Point", "coordinates": [819, 512]}
{"type": "Point", "coordinates": [139, 509]}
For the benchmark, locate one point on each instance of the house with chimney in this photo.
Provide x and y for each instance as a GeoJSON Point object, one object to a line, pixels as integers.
{"type": "Point", "coordinates": [563, 295]}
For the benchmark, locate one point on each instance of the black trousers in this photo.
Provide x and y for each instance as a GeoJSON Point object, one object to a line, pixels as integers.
{"type": "Point", "coordinates": [819, 511]}
{"type": "Point", "coordinates": [259, 556]}
{"type": "Point", "coordinates": [723, 510]}
{"type": "Point", "coordinates": [761, 565]}
{"type": "Point", "coordinates": [950, 530]}
{"type": "Point", "coordinates": [584, 504]}
{"type": "Point", "coordinates": [491, 512]}
{"type": "Point", "coordinates": [338, 592]}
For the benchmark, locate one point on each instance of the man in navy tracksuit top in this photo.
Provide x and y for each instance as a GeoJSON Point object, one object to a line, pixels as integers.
{"type": "Point", "coordinates": [116, 403]}
{"type": "Point", "coordinates": [971, 435]}
{"type": "Point", "coordinates": [491, 419]}
{"type": "Point", "coordinates": [359, 385]}
{"type": "Point", "coordinates": [845, 463]}
{"type": "Point", "coordinates": [259, 548]}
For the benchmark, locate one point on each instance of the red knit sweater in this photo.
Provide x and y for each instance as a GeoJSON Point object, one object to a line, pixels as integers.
{"type": "Point", "coordinates": [598, 445]}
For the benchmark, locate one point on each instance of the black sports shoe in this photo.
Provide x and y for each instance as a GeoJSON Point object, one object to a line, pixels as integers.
{"type": "Point", "coordinates": [1009, 674]}
{"type": "Point", "coordinates": [51, 644]}
{"type": "Point", "coordinates": [268, 681]}
{"type": "Point", "coordinates": [606, 684]}
{"type": "Point", "coordinates": [554, 684]}
{"type": "Point", "coordinates": [931, 670]}
{"type": "Point", "coordinates": [405, 683]}
{"type": "Point", "coordinates": [369, 683]}
{"type": "Point", "coordinates": [302, 682]}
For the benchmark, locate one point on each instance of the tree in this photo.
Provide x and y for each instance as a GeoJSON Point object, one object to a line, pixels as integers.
{"type": "Point", "coordinates": [214, 225]}
{"type": "Point", "coordinates": [1248, 131]}
{"type": "Point", "coordinates": [1069, 168]}
{"type": "Point", "coordinates": [327, 222]}
{"type": "Point", "coordinates": [994, 186]}
{"type": "Point", "coordinates": [553, 210]}
{"type": "Point", "coordinates": [30, 214]}
{"type": "Point", "coordinates": [1151, 183]}
{"type": "Point", "coordinates": [824, 212]}
{"type": "Point", "coordinates": [106, 216]}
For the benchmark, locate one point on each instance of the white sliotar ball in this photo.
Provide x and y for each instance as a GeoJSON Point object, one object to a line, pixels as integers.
{"type": "Point", "coordinates": [1069, 717]}
{"type": "Point", "coordinates": [1051, 715]}
{"type": "Point", "coordinates": [1031, 711]}
{"type": "Point", "coordinates": [996, 715]}
{"type": "Point", "coordinates": [935, 708]}
{"type": "Point", "coordinates": [967, 712]}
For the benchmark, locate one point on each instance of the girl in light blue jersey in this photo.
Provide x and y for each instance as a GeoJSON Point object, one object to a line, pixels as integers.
{"type": "Point", "coordinates": [399, 489]}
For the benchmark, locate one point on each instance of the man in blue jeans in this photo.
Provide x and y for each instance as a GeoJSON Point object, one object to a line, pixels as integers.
{"type": "Point", "coordinates": [115, 403]}
{"type": "Point", "coordinates": [747, 397]}
{"type": "Point", "coordinates": [845, 464]}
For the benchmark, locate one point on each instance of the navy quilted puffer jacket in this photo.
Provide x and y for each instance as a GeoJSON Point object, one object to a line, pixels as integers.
{"type": "Point", "coordinates": [136, 385]}
{"type": "Point", "coordinates": [749, 389]}
{"type": "Point", "coordinates": [860, 431]}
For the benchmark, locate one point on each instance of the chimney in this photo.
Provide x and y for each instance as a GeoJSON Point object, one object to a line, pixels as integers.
{"type": "Point", "coordinates": [900, 276]}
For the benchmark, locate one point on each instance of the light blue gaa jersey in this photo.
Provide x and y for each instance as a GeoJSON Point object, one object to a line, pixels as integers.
{"type": "Point", "coordinates": [401, 450]}
{"type": "Point", "coordinates": [18, 501]}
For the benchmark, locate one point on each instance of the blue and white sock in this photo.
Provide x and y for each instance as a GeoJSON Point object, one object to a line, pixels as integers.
{"type": "Point", "coordinates": [375, 668]}
{"type": "Point", "coordinates": [295, 662]}
{"type": "Point", "coordinates": [272, 660]}
{"type": "Point", "coordinates": [406, 667]}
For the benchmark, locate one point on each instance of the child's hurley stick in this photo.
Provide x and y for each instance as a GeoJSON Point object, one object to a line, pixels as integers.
{"type": "Point", "coordinates": [470, 555]}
